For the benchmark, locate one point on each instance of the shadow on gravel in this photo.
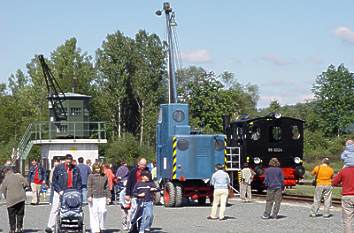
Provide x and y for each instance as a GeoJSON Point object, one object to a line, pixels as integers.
{"type": "Point", "coordinates": [157, 230]}
{"type": "Point", "coordinates": [281, 216]}
{"type": "Point", "coordinates": [229, 217]}
{"type": "Point", "coordinates": [31, 230]}
{"type": "Point", "coordinates": [110, 230]}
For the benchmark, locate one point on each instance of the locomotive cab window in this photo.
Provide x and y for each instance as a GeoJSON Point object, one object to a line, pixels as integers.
{"type": "Point", "coordinates": [295, 132]}
{"type": "Point", "coordinates": [255, 133]}
{"type": "Point", "coordinates": [275, 133]}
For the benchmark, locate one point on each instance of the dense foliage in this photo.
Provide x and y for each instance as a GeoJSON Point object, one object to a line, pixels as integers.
{"type": "Point", "coordinates": [128, 80]}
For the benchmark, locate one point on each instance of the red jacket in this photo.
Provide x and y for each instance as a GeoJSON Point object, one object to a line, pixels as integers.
{"type": "Point", "coordinates": [346, 178]}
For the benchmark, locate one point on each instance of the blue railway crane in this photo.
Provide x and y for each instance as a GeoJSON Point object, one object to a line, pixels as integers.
{"type": "Point", "coordinates": [185, 161]}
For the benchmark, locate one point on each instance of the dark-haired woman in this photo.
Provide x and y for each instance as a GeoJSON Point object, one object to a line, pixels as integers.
{"type": "Point", "coordinates": [98, 195]}
{"type": "Point", "coordinates": [274, 182]}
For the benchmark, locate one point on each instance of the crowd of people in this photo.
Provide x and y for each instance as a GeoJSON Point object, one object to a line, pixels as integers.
{"type": "Point", "coordinates": [134, 190]}
{"type": "Point", "coordinates": [324, 181]}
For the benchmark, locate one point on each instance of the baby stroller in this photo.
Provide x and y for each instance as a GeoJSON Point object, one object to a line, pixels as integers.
{"type": "Point", "coordinates": [71, 216]}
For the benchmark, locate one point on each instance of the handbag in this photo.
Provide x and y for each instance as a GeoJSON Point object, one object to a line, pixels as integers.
{"type": "Point", "coordinates": [314, 181]}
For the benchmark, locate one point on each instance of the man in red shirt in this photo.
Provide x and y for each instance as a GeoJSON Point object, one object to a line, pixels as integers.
{"type": "Point", "coordinates": [346, 178]}
{"type": "Point", "coordinates": [36, 177]}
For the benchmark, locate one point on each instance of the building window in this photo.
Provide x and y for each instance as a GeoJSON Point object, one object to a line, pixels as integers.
{"type": "Point", "coordinates": [75, 111]}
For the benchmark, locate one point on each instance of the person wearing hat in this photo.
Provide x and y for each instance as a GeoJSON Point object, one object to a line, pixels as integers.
{"type": "Point", "coordinates": [221, 181]}
{"type": "Point", "coordinates": [323, 189]}
{"type": "Point", "coordinates": [65, 176]}
{"type": "Point", "coordinates": [245, 185]}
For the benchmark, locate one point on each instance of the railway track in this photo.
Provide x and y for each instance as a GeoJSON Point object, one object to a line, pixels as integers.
{"type": "Point", "coordinates": [298, 198]}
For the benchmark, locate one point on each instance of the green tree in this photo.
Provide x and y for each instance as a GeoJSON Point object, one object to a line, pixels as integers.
{"type": "Point", "coordinates": [274, 106]}
{"type": "Point", "coordinates": [211, 96]}
{"type": "Point", "coordinates": [113, 99]}
{"type": "Point", "coordinates": [334, 93]}
{"type": "Point", "coordinates": [73, 68]}
{"type": "Point", "coordinates": [147, 81]}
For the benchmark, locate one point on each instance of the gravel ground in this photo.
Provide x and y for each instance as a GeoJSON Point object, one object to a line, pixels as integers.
{"type": "Point", "coordinates": [240, 217]}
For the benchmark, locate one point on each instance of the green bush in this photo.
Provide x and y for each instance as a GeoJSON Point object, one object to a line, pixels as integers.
{"type": "Point", "coordinates": [317, 146]}
{"type": "Point", "coordinates": [127, 148]}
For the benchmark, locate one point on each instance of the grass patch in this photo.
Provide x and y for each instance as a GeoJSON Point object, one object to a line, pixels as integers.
{"type": "Point", "coordinates": [308, 190]}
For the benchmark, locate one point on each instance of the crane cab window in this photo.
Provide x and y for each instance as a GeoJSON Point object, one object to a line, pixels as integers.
{"type": "Point", "coordinates": [275, 134]}
{"type": "Point", "coordinates": [295, 132]}
{"type": "Point", "coordinates": [75, 111]}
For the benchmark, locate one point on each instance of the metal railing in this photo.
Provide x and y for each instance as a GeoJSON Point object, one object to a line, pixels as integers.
{"type": "Point", "coordinates": [59, 130]}
{"type": "Point", "coordinates": [69, 130]}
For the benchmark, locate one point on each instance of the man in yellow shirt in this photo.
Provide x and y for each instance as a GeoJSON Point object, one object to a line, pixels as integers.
{"type": "Point", "coordinates": [324, 174]}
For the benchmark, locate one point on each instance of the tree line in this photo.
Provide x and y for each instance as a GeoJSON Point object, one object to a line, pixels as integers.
{"type": "Point", "coordinates": [127, 80]}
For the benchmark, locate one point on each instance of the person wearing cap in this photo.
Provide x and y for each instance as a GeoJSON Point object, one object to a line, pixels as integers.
{"type": "Point", "coordinates": [221, 181]}
{"type": "Point", "coordinates": [144, 190]}
{"type": "Point", "coordinates": [245, 185]}
{"type": "Point", "coordinates": [65, 176]}
{"type": "Point", "coordinates": [323, 189]}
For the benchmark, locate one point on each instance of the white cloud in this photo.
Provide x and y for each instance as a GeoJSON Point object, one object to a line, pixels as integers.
{"type": "Point", "coordinates": [196, 56]}
{"type": "Point", "coordinates": [275, 59]}
{"type": "Point", "coordinates": [345, 33]}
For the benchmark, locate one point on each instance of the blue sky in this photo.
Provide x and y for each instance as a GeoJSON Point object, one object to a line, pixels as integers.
{"type": "Point", "coordinates": [279, 45]}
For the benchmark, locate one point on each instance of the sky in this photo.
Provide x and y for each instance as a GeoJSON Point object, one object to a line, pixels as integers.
{"type": "Point", "coordinates": [281, 46]}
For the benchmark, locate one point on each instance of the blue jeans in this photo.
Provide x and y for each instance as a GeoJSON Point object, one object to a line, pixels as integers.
{"type": "Point", "coordinates": [84, 195]}
{"type": "Point", "coordinates": [148, 216]}
{"type": "Point", "coordinates": [121, 197]}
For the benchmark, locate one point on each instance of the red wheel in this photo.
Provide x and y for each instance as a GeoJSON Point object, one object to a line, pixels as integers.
{"type": "Point", "coordinates": [169, 195]}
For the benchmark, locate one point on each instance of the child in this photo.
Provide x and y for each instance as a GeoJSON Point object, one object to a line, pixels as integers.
{"type": "Point", "coordinates": [143, 190]}
{"type": "Point", "coordinates": [125, 205]}
{"type": "Point", "coordinates": [348, 154]}
{"type": "Point", "coordinates": [44, 192]}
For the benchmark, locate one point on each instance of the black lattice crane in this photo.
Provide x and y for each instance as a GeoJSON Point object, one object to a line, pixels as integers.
{"type": "Point", "coordinates": [56, 95]}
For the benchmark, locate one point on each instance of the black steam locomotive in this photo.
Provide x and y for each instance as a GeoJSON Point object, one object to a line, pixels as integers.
{"type": "Point", "coordinates": [257, 140]}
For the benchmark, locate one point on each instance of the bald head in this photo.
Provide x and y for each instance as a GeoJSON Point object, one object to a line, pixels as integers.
{"type": "Point", "coordinates": [142, 163]}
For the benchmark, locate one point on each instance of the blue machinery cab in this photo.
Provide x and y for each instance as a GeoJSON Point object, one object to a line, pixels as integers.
{"type": "Point", "coordinates": [185, 162]}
